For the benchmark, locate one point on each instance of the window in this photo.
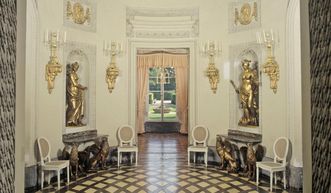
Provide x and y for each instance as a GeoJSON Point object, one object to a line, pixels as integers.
{"type": "Point", "coordinates": [162, 94]}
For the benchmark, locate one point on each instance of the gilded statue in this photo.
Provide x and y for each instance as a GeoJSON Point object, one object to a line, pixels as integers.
{"type": "Point", "coordinates": [75, 98]}
{"type": "Point", "coordinates": [248, 95]}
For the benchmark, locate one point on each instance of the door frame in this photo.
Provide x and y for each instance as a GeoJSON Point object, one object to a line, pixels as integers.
{"type": "Point", "coordinates": [191, 44]}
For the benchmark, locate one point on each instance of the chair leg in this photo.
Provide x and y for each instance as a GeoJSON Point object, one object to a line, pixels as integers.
{"type": "Point", "coordinates": [131, 155]}
{"type": "Point", "coordinates": [68, 176]}
{"type": "Point", "coordinates": [42, 179]}
{"type": "Point", "coordinates": [284, 178]}
{"type": "Point", "coordinates": [136, 158]}
{"type": "Point", "coordinates": [188, 157]}
{"type": "Point", "coordinates": [194, 157]}
{"type": "Point", "coordinates": [275, 178]}
{"type": "Point", "coordinates": [118, 158]}
{"type": "Point", "coordinates": [58, 179]}
{"type": "Point", "coordinates": [206, 158]}
{"type": "Point", "coordinates": [257, 176]}
{"type": "Point", "coordinates": [271, 174]}
{"type": "Point", "coordinates": [49, 177]}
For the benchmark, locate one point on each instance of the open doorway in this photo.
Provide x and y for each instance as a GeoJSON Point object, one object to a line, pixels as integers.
{"type": "Point", "coordinates": [162, 87]}
{"type": "Point", "coordinates": [162, 105]}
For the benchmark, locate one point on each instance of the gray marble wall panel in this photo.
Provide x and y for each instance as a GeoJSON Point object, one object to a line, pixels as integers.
{"type": "Point", "coordinates": [320, 39]}
{"type": "Point", "coordinates": [7, 94]}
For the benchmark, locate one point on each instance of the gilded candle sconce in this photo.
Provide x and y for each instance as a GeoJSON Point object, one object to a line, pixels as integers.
{"type": "Point", "coordinates": [270, 67]}
{"type": "Point", "coordinates": [112, 49]}
{"type": "Point", "coordinates": [211, 49]}
{"type": "Point", "coordinates": [53, 40]}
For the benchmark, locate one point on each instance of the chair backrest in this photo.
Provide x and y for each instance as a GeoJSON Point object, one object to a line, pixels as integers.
{"type": "Point", "coordinates": [44, 150]}
{"type": "Point", "coordinates": [200, 135]}
{"type": "Point", "coordinates": [281, 146]}
{"type": "Point", "coordinates": [125, 134]}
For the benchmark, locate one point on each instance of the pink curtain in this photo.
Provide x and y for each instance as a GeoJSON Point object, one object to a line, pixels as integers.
{"type": "Point", "coordinates": [142, 83]}
{"type": "Point", "coordinates": [180, 63]}
{"type": "Point", "coordinates": [181, 93]}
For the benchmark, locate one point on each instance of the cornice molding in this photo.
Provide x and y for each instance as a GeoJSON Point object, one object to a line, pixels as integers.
{"type": "Point", "coordinates": [162, 23]}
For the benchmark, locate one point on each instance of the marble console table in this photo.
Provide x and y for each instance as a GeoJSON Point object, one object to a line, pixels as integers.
{"type": "Point", "coordinates": [242, 137]}
{"type": "Point", "coordinates": [83, 137]}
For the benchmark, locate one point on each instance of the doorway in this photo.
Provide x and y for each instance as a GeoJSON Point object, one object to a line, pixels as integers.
{"type": "Point", "coordinates": [162, 87]}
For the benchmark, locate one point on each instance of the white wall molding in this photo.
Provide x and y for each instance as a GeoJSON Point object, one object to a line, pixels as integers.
{"type": "Point", "coordinates": [294, 95]}
{"type": "Point", "coordinates": [162, 23]}
{"type": "Point", "coordinates": [31, 88]}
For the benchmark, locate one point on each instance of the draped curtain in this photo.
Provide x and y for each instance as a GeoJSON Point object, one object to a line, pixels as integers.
{"type": "Point", "coordinates": [181, 95]}
{"type": "Point", "coordinates": [142, 82]}
{"type": "Point", "coordinates": [162, 59]}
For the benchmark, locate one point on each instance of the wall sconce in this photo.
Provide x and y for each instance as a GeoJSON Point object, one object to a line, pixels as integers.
{"type": "Point", "coordinates": [112, 72]}
{"type": "Point", "coordinates": [53, 40]}
{"type": "Point", "coordinates": [270, 67]}
{"type": "Point", "coordinates": [211, 50]}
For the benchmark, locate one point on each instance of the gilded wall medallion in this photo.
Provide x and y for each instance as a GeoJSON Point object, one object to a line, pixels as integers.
{"type": "Point", "coordinates": [80, 14]}
{"type": "Point", "coordinates": [244, 15]}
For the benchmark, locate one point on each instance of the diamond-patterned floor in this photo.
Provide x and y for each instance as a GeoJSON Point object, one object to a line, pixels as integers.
{"type": "Point", "coordinates": [161, 179]}
{"type": "Point", "coordinates": [163, 169]}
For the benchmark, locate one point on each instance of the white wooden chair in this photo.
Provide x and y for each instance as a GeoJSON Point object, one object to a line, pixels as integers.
{"type": "Point", "coordinates": [279, 164]}
{"type": "Point", "coordinates": [126, 136]}
{"type": "Point", "coordinates": [48, 165]}
{"type": "Point", "coordinates": [200, 136]}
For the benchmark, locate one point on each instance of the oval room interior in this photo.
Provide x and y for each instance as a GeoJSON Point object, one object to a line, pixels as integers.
{"type": "Point", "coordinates": [156, 96]}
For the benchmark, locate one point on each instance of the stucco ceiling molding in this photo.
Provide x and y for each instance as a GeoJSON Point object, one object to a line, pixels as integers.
{"type": "Point", "coordinates": [162, 23]}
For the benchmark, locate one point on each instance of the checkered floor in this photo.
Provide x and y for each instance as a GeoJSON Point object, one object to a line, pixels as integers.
{"type": "Point", "coordinates": [161, 179]}
{"type": "Point", "coordinates": [163, 169]}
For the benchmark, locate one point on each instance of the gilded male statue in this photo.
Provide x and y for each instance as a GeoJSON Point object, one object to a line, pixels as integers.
{"type": "Point", "coordinates": [248, 95]}
{"type": "Point", "coordinates": [75, 98]}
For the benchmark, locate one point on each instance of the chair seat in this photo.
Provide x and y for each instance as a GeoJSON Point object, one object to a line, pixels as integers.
{"type": "Point", "coordinates": [198, 148]}
{"type": "Point", "coordinates": [127, 148]}
{"type": "Point", "coordinates": [56, 165]}
{"type": "Point", "coordinates": [270, 166]}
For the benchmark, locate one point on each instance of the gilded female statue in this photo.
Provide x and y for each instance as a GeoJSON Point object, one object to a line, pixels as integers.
{"type": "Point", "coordinates": [75, 98]}
{"type": "Point", "coordinates": [248, 95]}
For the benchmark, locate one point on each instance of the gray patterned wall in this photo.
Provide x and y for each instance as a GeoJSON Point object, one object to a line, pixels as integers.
{"type": "Point", "coordinates": [320, 39]}
{"type": "Point", "coordinates": [7, 94]}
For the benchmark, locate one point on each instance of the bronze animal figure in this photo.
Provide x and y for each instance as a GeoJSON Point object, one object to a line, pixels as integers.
{"type": "Point", "coordinates": [251, 162]}
{"type": "Point", "coordinates": [74, 160]}
{"type": "Point", "coordinates": [104, 151]}
{"type": "Point", "coordinates": [227, 160]}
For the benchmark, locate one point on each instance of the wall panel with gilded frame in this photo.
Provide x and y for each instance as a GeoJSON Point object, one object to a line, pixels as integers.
{"type": "Point", "coordinates": [244, 15]}
{"type": "Point", "coordinates": [80, 14]}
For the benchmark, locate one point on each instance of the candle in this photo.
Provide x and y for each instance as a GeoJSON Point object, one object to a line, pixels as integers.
{"type": "Point", "coordinates": [64, 37]}
{"type": "Point", "coordinates": [57, 35]}
{"type": "Point", "coordinates": [272, 35]}
{"type": "Point", "coordinates": [264, 36]}
{"type": "Point", "coordinates": [258, 37]}
{"type": "Point", "coordinates": [46, 36]}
